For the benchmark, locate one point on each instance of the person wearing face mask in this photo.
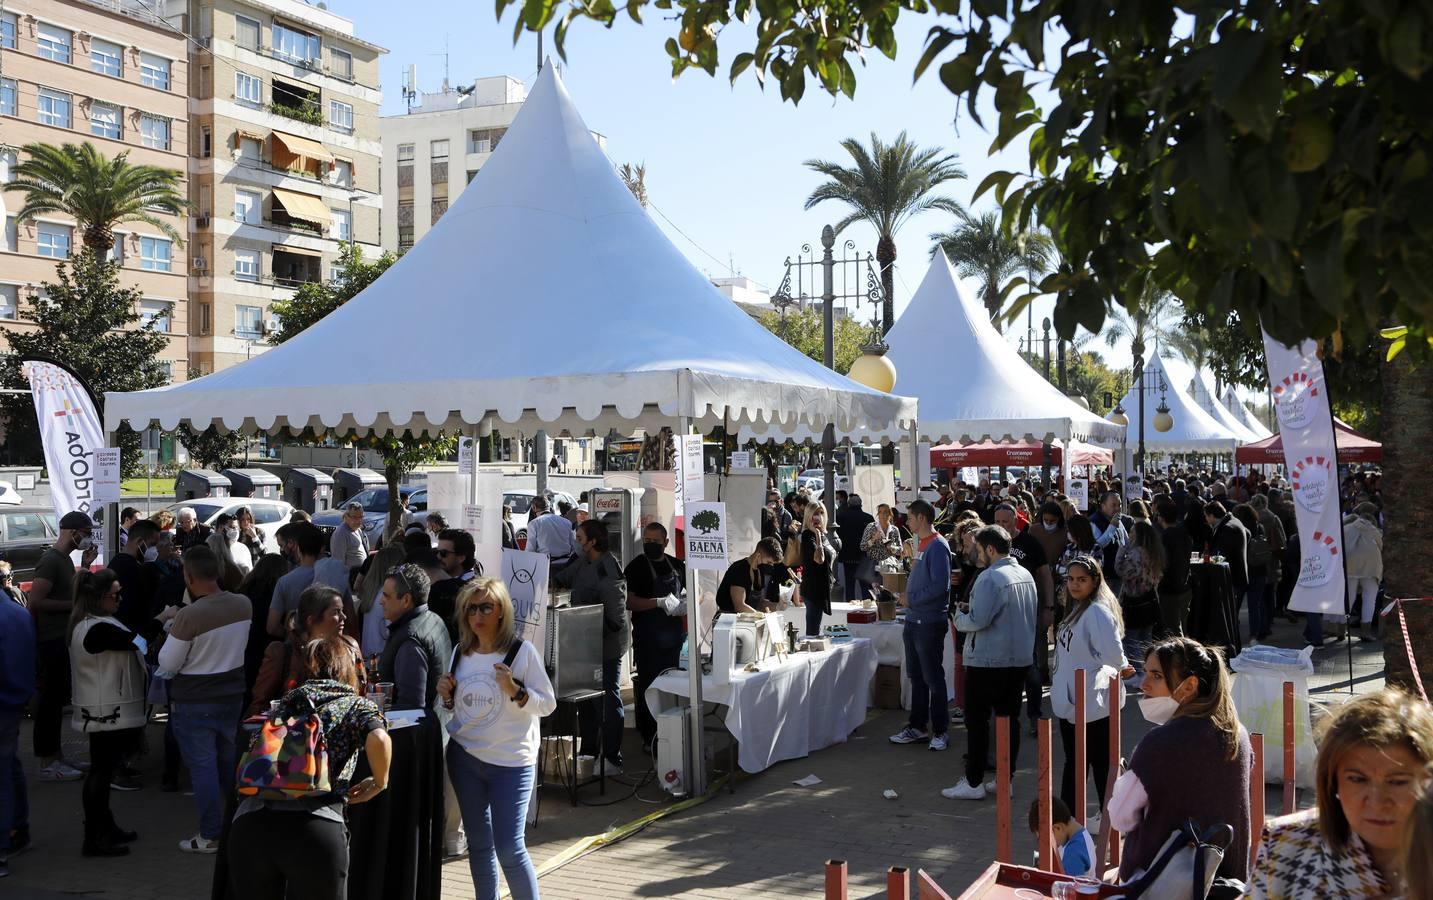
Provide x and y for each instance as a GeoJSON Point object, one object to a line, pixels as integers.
{"type": "Point", "coordinates": [52, 591]}
{"type": "Point", "coordinates": [1194, 766]}
{"type": "Point", "coordinates": [229, 528]}
{"type": "Point", "coordinates": [1049, 532]}
{"type": "Point", "coordinates": [656, 582]}
{"type": "Point", "coordinates": [136, 580]}
{"type": "Point", "coordinates": [1374, 754]}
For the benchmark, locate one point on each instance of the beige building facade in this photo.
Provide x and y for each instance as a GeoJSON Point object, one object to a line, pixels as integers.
{"type": "Point", "coordinates": [114, 74]}
{"type": "Point", "coordinates": [283, 131]}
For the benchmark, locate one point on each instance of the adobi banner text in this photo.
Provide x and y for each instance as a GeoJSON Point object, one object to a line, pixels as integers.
{"type": "Point", "coordinates": [1301, 402]}
{"type": "Point", "coordinates": [71, 431]}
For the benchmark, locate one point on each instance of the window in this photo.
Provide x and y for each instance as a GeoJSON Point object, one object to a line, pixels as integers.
{"type": "Point", "coordinates": [248, 321]}
{"type": "Point", "coordinates": [167, 367]}
{"type": "Point", "coordinates": [24, 527]}
{"type": "Point", "coordinates": [248, 33]}
{"type": "Point", "coordinates": [53, 239]}
{"type": "Point", "coordinates": [156, 254]}
{"type": "Point", "coordinates": [335, 271]}
{"type": "Point", "coordinates": [405, 237]}
{"type": "Point", "coordinates": [438, 150]}
{"type": "Point", "coordinates": [9, 237]}
{"type": "Point", "coordinates": [7, 97]}
{"type": "Point", "coordinates": [7, 30]}
{"type": "Point", "coordinates": [247, 88]}
{"type": "Point", "coordinates": [343, 173]}
{"type": "Point", "coordinates": [249, 151]}
{"type": "Point", "coordinates": [54, 107]}
{"type": "Point", "coordinates": [405, 152]}
{"type": "Point", "coordinates": [154, 132]}
{"type": "Point", "coordinates": [246, 207]}
{"type": "Point", "coordinates": [472, 173]}
{"type": "Point", "coordinates": [206, 141]}
{"type": "Point", "coordinates": [154, 71]}
{"type": "Point", "coordinates": [246, 265]}
{"type": "Point", "coordinates": [342, 63]}
{"type": "Point", "coordinates": [9, 301]}
{"type": "Point", "coordinates": [342, 224]}
{"type": "Point", "coordinates": [116, 253]}
{"type": "Point", "coordinates": [290, 43]}
{"type": "Point", "coordinates": [157, 311]}
{"type": "Point", "coordinates": [104, 120]}
{"type": "Point", "coordinates": [485, 140]}
{"type": "Point", "coordinates": [206, 83]}
{"type": "Point", "coordinates": [340, 116]}
{"type": "Point", "coordinates": [8, 158]}
{"type": "Point", "coordinates": [105, 58]}
{"type": "Point", "coordinates": [52, 43]}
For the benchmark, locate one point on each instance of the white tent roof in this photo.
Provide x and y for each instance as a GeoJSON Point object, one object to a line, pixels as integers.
{"type": "Point", "coordinates": [1241, 412]}
{"type": "Point", "coordinates": [972, 384]}
{"type": "Point", "coordinates": [1196, 384]}
{"type": "Point", "coordinates": [545, 295]}
{"type": "Point", "coordinates": [1194, 429]}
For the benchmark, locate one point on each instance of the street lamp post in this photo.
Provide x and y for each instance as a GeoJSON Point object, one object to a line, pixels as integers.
{"type": "Point", "coordinates": [828, 339]}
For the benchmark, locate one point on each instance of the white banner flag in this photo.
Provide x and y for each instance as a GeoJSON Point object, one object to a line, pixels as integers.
{"type": "Point", "coordinates": [71, 432]}
{"type": "Point", "coordinates": [1306, 425]}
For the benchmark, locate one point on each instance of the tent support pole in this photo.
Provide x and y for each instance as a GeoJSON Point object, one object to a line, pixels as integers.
{"type": "Point", "coordinates": [111, 512]}
{"type": "Point", "coordinates": [696, 757]}
{"type": "Point", "coordinates": [539, 462]}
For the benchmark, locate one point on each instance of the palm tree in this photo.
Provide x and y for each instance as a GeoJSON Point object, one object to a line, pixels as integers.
{"type": "Point", "coordinates": [635, 177]}
{"type": "Point", "coordinates": [1156, 317]}
{"type": "Point", "coordinates": [99, 193]}
{"type": "Point", "coordinates": [980, 247]}
{"type": "Point", "coordinates": [888, 185]}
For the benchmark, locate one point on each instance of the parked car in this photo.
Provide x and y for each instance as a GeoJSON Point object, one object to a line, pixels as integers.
{"type": "Point", "coordinates": [25, 533]}
{"type": "Point", "coordinates": [815, 480]}
{"type": "Point", "coordinates": [375, 511]}
{"type": "Point", "coordinates": [269, 515]}
{"type": "Point", "coordinates": [521, 501]}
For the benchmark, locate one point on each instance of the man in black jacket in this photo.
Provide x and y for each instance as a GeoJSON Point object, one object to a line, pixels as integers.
{"type": "Point", "coordinates": [851, 524]}
{"type": "Point", "coordinates": [1231, 541]}
{"type": "Point", "coordinates": [656, 581]}
{"type": "Point", "coordinates": [1174, 593]}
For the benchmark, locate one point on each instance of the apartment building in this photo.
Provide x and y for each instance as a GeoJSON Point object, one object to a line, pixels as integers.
{"type": "Point", "coordinates": [431, 152]}
{"type": "Point", "coordinates": [111, 73]}
{"type": "Point", "coordinates": [284, 166]}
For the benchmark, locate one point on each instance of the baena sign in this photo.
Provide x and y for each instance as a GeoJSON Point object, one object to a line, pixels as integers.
{"type": "Point", "coordinates": [705, 535]}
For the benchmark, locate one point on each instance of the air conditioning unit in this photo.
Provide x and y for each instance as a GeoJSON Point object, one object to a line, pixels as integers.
{"type": "Point", "coordinates": [199, 264]}
{"type": "Point", "coordinates": [269, 326]}
{"type": "Point", "coordinates": [312, 65]}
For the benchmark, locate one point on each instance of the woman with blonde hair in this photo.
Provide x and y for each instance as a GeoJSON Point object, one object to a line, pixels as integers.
{"type": "Point", "coordinates": [164, 519]}
{"type": "Point", "coordinates": [818, 566]}
{"type": "Point", "coordinates": [498, 689]}
{"type": "Point", "coordinates": [1374, 754]}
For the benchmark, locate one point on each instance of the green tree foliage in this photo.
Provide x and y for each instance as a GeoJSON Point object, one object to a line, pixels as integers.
{"type": "Point", "coordinates": [211, 448]}
{"type": "Point", "coordinates": [402, 453]}
{"type": "Point", "coordinates": [886, 185]}
{"type": "Point", "coordinates": [635, 177]}
{"type": "Point", "coordinates": [706, 521]}
{"type": "Point", "coordinates": [91, 324]}
{"type": "Point", "coordinates": [979, 246]}
{"type": "Point", "coordinates": [1090, 377]}
{"type": "Point", "coordinates": [99, 193]}
{"type": "Point", "coordinates": [801, 328]}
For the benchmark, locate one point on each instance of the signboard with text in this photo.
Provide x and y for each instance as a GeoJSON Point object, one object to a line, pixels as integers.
{"type": "Point", "coordinates": [706, 539]}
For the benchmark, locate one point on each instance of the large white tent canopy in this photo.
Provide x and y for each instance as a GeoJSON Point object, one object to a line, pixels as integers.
{"type": "Point", "coordinates": [1194, 431]}
{"type": "Point", "coordinates": [1196, 384]}
{"type": "Point", "coordinates": [972, 384]}
{"type": "Point", "coordinates": [1241, 412]}
{"type": "Point", "coordinates": [544, 297]}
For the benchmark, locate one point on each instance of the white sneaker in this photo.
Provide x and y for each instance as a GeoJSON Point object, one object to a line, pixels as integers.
{"type": "Point", "coordinates": [198, 844]}
{"type": "Point", "coordinates": [990, 787]}
{"type": "Point", "coordinates": [939, 742]}
{"type": "Point", "coordinates": [909, 735]}
{"type": "Point", "coordinates": [964, 791]}
{"type": "Point", "coordinates": [455, 849]}
{"type": "Point", "coordinates": [58, 771]}
{"type": "Point", "coordinates": [957, 715]}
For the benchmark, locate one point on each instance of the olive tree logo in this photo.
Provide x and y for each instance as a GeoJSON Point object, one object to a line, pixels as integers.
{"type": "Point", "coordinates": [706, 521]}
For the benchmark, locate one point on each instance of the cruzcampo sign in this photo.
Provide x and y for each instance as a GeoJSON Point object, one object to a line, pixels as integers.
{"type": "Point", "coordinates": [706, 536]}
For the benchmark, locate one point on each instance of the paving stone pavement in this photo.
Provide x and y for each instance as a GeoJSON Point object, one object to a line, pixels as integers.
{"type": "Point", "coordinates": [769, 839]}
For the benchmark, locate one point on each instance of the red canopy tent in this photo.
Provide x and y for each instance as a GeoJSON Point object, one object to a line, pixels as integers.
{"type": "Point", "coordinates": [1352, 448]}
{"type": "Point", "coordinates": [1019, 453]}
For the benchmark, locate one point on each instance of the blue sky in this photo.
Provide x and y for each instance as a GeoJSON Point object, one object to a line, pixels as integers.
{"type": "Point", "coordinates": [724, 163]}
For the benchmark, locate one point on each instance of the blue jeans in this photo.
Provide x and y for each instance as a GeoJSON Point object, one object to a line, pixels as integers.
{"type": "Point", "coordinates": [1314, 629]}
{"type": "Point", "coordinates": [611, 715]}
{"type": "Point", "coordinates": [494, 803]}
{"type": "Point", "coordinates": [1261, 609]}
{"type": "Point", "coordinates": [925, 667]}
{"type": "Point", "coordinates": [14, 801]}
{"type": "Point", "coordinates": [205, 732]}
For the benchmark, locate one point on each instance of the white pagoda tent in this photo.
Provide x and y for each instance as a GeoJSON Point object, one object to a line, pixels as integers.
{"type": "Point", "coordinates": [1196, 383]}
{"type": "Point", "coordinates": [972, 384]}
{"type": "Point", "coordinates": [1241, 413]}
{"type": "Point", "coordinates": [1193, 431]}
{"type": "Point", "coordinates": [544, 297]}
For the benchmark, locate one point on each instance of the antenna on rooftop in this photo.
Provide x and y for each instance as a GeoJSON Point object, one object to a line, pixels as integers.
{"type": "Point", "coordinates": [410, 85]}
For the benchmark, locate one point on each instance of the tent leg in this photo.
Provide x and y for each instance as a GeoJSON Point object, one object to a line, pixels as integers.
{"type": "Point", "coordinates": [696, 758]}
{"type": "Point", "coordinates": [111, 513]}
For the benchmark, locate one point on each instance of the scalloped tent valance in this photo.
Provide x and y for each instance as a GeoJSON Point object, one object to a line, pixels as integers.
{"type": "Point", "coordinates": [544, 297]}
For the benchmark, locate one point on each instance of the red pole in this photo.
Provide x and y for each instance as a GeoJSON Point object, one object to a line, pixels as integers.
{"type": "Point", "coordinates": [1080, 762]}
{"type": "Point", "coordinates": [898, 883]}
{"type": "Point", "coordinates": [1002, 789]}
{"type": "Point", "coordinates": [1048, 862]}
{"type": "Point", "coordinates": [835, 879]}
{"type": "Point", "coordinates": [1289, 798]}
{"type": "Point", "coordinates": [1256, 794]}
{"type": "Point", "coordinates": [1114, 769]}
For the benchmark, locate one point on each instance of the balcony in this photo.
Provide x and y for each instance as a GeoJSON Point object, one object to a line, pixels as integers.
{"type": "Point", "coordinates": [308, 115]}
{"type": "Point", "coordinates": [295, 101]}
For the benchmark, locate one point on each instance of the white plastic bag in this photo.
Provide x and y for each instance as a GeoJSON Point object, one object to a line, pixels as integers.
{"type": "Point", "coordinates": [1259, 698]}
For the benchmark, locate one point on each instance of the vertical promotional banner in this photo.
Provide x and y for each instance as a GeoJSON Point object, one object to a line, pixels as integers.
{"type": "Point", "coordinates": [691, 474]}
{"type": "Point", "coordinates": [1301, 402]}
{"type": "Point", "coordinates": [107, 468]}
{"type": "Point", "coordinates": [71, 432]}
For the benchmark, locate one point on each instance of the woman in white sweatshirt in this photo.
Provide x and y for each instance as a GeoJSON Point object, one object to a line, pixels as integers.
{"type": "Point", "coordinates": [1091, 638]}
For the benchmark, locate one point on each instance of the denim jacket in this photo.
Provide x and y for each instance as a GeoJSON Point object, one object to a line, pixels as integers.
{"type": "Point", "coordinates": [1001, 622]}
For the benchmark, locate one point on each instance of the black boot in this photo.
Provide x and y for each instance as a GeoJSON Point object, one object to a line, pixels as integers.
{"type": "Point", "coordinates": [118, 835]}
{"type": "Point", "coordinates": [103, 845]}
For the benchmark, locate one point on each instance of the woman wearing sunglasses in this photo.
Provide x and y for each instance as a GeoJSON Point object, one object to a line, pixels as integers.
{"type": "Point", "coordinates": [497, 689]}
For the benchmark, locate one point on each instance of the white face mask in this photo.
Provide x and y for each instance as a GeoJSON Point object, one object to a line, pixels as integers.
{"type": "Point", "coordinates": [232, 534]}
{"type": "Point", "coordinates": [1050, 526]}
{"type": "Point", "coordinates": [1158, 710]}
{"type": "Point", "coordinates": [84, 543]}
{"type": "Point", "coordinates": [151, 554]}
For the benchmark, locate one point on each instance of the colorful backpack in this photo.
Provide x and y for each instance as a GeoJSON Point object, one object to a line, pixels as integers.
{"type": "Point", "coordinates": [288, 758]}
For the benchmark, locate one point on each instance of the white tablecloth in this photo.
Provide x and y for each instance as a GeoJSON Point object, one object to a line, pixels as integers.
{"type": "Point", "coordinates": [803, 703]}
